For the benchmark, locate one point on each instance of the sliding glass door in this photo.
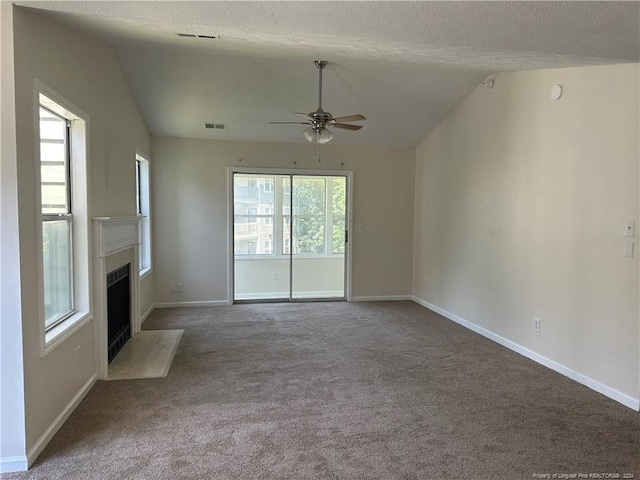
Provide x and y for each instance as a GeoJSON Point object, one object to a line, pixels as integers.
{"type": "Point", "coordinates": [289, 235]}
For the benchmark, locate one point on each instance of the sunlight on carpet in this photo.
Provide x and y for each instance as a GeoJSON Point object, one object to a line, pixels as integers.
{"type": "Point", "coordinates": [147, 355]}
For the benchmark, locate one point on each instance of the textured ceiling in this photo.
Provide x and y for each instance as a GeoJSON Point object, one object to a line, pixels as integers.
{"type": "Point", "coordinates": [404, 65]}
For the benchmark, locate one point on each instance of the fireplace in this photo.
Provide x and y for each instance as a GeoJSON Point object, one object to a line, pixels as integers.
{"type": "Point", "coordinates": [118, 310]}
{"type": "Point", "coordinates": [115, 276]}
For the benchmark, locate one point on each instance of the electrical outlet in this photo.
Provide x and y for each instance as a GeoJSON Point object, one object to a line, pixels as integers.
{"type": "Point", "coordinates": [359, 228]}
{"type": "Point", "coordinates": [274, 275]}
{"type": "Point", "coordinates": [536, 325]}
{"type": "Point", "coordinates": [179, 287]}
{"type": "Point", "coordinates": [629, 228]}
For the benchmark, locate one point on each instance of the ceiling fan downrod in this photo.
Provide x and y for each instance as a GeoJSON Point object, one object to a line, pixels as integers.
{"type": "Point", "coordinates": [320, 64]}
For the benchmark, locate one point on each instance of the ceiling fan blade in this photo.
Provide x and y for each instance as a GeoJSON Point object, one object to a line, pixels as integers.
{"type": "Point", "coordinates": [350, 118]}
{"type": "Point", "coordinates": [289, 123]}
{"type": "Point", "coordinates": [346, 126]}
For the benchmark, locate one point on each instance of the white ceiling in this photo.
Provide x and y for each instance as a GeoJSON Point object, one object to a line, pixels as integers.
{"type": "Point", "coordinates": [404, 65]}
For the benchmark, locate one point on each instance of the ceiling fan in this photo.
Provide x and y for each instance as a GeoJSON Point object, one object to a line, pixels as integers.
{"type": "Point", "coordinates": [319, 120]}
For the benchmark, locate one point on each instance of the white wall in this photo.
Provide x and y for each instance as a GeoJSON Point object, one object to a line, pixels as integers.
{"type": "Point", "coordinates": [520, 209]}
{"type": "Point", "coordinates": [12, 415]}
{"type": "Point", "coordinates": [268, 277]}
{"type": "Point", "coordinates": [86, 72]}
{"type": "Point", "coordinates": [190, 205]}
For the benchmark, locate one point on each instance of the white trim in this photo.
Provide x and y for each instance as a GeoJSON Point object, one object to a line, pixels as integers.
{"type": "Point", "coordinates": [146, 314]}
{"type": "Point", "coordinates": [212, 303]}
{"type": "Point", "coordinates": [381, 298]}
{"type": "Point", "coordinates": [14, 464]}
{"type": "Point", "coordinates": [337, 294]}
{"type": "Point", "coordinates": [82, 268]}
{"type": "Point", "coordinates": [46, 437]}
{"type": "Point", "coordinates": [113, 235]}
{"type": "Point", "coordinates": [64, 330]}
{"type": "Point", "coordinates": [626, 400]}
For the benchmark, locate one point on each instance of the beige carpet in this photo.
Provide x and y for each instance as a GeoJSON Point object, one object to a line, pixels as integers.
{"type": "Point", "coordinates": [384, 390]}
{"type": "Point", "coordinates": [147, 355]}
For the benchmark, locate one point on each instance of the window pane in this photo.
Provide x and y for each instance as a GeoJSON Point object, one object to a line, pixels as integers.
{"type": "Point", "coordinates": [247, 195]}
{"type": "Point", "coordinates": [252, 236]}
{"type": "Point", "coordinates": [54, 199]}
{"type": "Point", "coordinates": [286, 195]}
{"type": "Point", "coordinates": [308, 235]}
{"type": "Point", "coordinates": [56, 248]}
{"type": "Point", "coordinates": [53, 164]}
{"type": "Point", "coordinates": [339, 196]}
{"type": "Point", "coordinates": [338, 234]}
{"type": "Point", "coordinates": [308, 196]}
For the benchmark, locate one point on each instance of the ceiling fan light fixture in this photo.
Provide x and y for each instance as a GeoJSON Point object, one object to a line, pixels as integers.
{"type": "Point", "coordinates": [310, 134]}
{"type": "Point", "coordinates": [324, 136]}
{"type": "Point", "coordinates": [318, 135]}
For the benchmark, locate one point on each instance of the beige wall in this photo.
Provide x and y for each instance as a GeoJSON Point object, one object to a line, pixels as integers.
{"type": "Point", "coordinates": [86, 72]}
{"type": "Point", "coordinates": [12, 414]}
{"type": "Point", "coordinates": [521, 204]}
{"type": "Point", "coordinates": [190, 202]}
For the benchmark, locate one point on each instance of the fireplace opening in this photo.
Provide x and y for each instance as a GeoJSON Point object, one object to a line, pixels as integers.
{"type": "Point", "coordinates": [118, 310]}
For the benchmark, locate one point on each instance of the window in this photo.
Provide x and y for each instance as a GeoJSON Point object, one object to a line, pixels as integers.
{"type": "Point", "coordinates": [316, 227]}
{"type": "Point", "coordinates": [143, 211]}
{"type": "Point", "coordinates": [57, 217]}
{"type": "Point", "coordinates": [64, 231]}
{"type": "Point", "coordinates": [267, 185]}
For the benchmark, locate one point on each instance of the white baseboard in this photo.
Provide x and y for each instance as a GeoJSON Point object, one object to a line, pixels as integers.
{"type": "Point", "coordinates": [13, 464]}
{"type": "Point", "coordinates": [213, 303]}
{"type": "Point", "coordinates": [46, 437]}
{"type": "Point", "coordinates": [381, 298]}
{"type": "Point", "coordinates": [146, 314]}
{"type": "Point", "coordinates": [626, 400]}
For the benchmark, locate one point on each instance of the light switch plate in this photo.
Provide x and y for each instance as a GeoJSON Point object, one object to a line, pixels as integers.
{"type": "Point", "coordinates": [628, 248]}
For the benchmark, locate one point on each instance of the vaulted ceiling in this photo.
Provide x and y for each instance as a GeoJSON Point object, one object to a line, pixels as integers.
{"type": "Point", "coordinates": [404, 65]}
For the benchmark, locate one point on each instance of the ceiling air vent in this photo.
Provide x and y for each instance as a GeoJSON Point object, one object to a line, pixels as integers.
{"type": "Point", "coordinates": [215, 126]}
{"type": "Point", "coordinates": [194, 35]}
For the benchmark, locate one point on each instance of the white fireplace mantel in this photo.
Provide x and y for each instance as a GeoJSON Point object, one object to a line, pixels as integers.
{"type": "Point", "coordinates": [113, 237]}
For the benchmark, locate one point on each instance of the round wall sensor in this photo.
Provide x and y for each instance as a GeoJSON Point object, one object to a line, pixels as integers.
{"type": "Point", "coordinates": [556, 92]}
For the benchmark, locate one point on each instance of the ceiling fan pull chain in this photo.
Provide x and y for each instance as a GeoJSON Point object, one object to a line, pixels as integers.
{"type": "Point", "coordinates": [316, 151]}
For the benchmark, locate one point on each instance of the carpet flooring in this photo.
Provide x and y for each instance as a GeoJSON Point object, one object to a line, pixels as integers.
{"type": "Point", "coordinates": [385, 390]}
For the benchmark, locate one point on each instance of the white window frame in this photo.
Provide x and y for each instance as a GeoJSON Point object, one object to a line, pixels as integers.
{"type": "Point", "coordinates": [82, 289]}
{"type": "Point", "coordinates": [143, 203]}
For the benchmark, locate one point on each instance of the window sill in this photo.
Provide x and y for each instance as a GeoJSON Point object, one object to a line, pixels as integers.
{"type": "Point", "coordinates": [63, 331]}
{"type": "Point", "coordinates": [144, 273]}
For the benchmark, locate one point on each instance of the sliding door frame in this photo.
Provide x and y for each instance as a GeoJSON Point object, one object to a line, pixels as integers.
{"type": "Point", "coordinates": [348, 174]}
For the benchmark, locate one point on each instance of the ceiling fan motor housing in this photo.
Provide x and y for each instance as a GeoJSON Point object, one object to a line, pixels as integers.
{"type": "Point", "coordinates": [320, 117]}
